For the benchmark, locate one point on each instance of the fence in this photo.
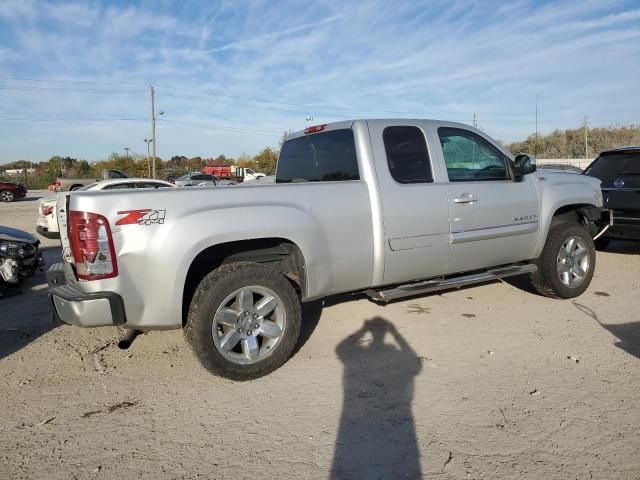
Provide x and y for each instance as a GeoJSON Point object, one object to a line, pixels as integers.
{"type": "Point", "coordinates": [576, 162]}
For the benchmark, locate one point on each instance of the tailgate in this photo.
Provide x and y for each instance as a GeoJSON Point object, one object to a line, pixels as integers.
{"type": "Point", "coordinates": [62, 207]}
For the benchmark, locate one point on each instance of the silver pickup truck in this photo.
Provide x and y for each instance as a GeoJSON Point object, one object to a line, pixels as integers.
{"type": "Point", "coordinates": [391, 208]}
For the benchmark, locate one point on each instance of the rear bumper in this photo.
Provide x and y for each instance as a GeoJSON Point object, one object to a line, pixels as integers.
{"type": "Point", "coordinates": [75, 307]}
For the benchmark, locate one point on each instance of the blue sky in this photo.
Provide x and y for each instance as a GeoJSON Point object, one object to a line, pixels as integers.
{"type": "Point", "coordinates": [232, 75]}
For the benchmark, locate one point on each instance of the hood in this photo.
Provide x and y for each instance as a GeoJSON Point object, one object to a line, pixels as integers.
{"type": "Point", "coordinates": [15, 235]}
{"type": "Point", "coordinates": [567, 176]}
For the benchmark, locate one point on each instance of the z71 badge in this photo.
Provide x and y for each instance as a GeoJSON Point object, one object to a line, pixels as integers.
{"type": "Point", "coordinates": [146, 216]}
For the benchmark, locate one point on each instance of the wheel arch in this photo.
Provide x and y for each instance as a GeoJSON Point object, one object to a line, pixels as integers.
{"type": "Point", "coordinates": [281, 254]}
{"type": "Point", "coordinates": [583, 213]}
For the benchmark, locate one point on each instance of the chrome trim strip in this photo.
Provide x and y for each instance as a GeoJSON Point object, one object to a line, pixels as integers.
{"type": "Point", "coordinates": [496, 232]}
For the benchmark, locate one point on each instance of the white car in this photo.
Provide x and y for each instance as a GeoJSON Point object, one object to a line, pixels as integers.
{"type": "Point", "coordinates": [47, 222]}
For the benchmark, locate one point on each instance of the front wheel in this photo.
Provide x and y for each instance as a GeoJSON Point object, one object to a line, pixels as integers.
{"type": "Point", "coordinates": [7, 196]}
{"type": "Point", "coordinates": [244, 321]}
{"type": "Point", "coordinates": [567, 262]}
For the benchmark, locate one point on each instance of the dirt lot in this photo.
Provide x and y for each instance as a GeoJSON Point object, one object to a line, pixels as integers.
{"type": "Point", "coordinates": [486, 382]}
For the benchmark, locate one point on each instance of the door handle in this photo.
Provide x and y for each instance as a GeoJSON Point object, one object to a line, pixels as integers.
{"type": "Point", "coordinates": [465, 198]}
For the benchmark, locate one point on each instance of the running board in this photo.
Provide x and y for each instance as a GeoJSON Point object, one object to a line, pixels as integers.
{"type": "Point", "coordinates": [410, 289]}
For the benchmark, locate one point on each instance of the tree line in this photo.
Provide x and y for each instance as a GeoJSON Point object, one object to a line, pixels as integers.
{"type": "Point", "coordinates": [568, 143]}
{"type": "Point", "coordinates": [134, 165]}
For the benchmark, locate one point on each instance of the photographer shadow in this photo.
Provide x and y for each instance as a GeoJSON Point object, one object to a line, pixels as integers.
{"type": "Point", "coordinates": [376, 437]}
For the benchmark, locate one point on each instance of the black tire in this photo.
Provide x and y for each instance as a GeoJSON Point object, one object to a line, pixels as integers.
{"type": "Point", "coordinates": [211, 294]}
{"type": "Point", "coordinates": [602, 243]}
{"type": "Point", "coordinates": [7, 196]}
{"type": "Point", "coordinates": [75, 187]}
{"type": "Point", "coordinates": [546, 280]}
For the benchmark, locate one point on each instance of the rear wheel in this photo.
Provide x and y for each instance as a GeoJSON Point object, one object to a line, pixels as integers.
{"type": "Point", "coordinates": [244, 321]}
{"type": "Point", "coordinates": [567, 262]}
{"type": "Point", "coordinates": [7, 196]}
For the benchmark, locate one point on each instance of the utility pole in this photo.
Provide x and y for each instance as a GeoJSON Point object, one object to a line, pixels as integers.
{"type": "Point", "coordinates": [153, 128]}
{"type": "Point", "coordinates": [475, 120]}
{"type": "Point", "coordinates": [126, 149]}
{"type": "Point", "coordinates": [586, 139]}
{"type": "Point", "coordinates": [148, 141]}
{"type": "Point", "coordinates": [535, 144]}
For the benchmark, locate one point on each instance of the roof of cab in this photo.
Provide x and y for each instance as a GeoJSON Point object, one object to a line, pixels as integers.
{"type": "Point", "coordinates": [349, 123]}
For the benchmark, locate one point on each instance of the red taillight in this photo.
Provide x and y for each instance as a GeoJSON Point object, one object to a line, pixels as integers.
{"type": "Point", "coordinates": [92, 246]}
{"type": "Point", "coordinates": [315, 129]}
{"type": "Point", "coordinates": [46, 210]}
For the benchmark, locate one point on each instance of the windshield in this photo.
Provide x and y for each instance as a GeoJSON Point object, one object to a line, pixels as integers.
{"type": "Point", "coordinates": [615, 165]}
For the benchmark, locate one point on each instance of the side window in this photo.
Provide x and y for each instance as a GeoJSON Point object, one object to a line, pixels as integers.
{"type": "Point", "coordinates": [469, 157]}
{"type": "Point", "coordinates": [199, 177]}
{"type": "Point", "coordinates": [407, 155]}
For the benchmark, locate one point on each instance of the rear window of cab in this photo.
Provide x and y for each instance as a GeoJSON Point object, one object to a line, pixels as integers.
{"type": "Point", "coordinates": [320, 157]}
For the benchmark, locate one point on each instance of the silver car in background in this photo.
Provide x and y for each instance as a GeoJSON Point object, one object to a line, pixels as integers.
{"type": "Point", "coordinates": [199, 179]}
{"type": "Point", "coordinates": [47, 221]}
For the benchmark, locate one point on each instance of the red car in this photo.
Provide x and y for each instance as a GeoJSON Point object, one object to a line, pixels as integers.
{"type": "Point", "coordinates": [10, 191]}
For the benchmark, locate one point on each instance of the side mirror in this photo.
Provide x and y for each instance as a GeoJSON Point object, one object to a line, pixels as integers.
{"type": "Point", "coordinates": [523, 165]}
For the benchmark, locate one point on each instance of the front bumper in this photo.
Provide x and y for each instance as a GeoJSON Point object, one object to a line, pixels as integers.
{"type": "Point", "coordinates": [624, 224]}
{"type": "Point", "coordinates": [75, 307]}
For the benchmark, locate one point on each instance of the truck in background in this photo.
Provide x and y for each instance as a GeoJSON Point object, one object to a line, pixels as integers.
{"type": "Point", "coordinates": [232, 172]}
{"type": "Point", "coordinates": [68, 184]}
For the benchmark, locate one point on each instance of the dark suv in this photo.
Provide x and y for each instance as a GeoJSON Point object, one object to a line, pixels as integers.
{"type": "Point", "coordinates": [9, 191]}
{"type": "Point", "coordinates": [619, 171]}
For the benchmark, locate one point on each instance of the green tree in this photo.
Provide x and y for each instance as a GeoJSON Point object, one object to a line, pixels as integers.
{"type": "Point", "coordinates": [266, 160]}
{"type": "Point", "coordinates": [84, 169]}
{"type": "Point", "coordinates": [245, 161]}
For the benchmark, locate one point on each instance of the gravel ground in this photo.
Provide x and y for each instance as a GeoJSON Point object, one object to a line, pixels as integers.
{"type": "Point", "coordinates": [488, 382]}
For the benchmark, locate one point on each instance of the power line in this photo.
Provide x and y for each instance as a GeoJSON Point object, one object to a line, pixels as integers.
{"type": "Point", "coordinates": [263, 104]}
{"type": "Point", "coordinates": [90, 82]}
{"type": "Point", "coordinates": [221, 127]}
{"type": "Point", "coordinates": [31, 88]}
{"type": "Point", "coordinates": [76, 119]}
{"type": "Point", "coordinates": [214, 96]}
{"type": "Point", "coordinates": [181, 122]}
